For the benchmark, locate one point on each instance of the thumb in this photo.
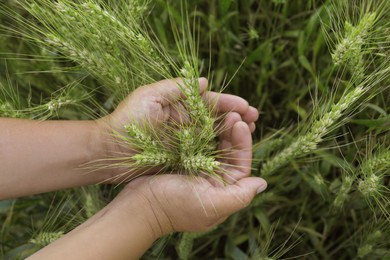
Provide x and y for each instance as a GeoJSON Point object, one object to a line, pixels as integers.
{"type": "Point", "coordinates": [169, 90]}
{"type": "Point", "coordinates": [239, 195]}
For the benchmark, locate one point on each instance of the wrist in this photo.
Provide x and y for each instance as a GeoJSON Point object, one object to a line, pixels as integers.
{"type": "Point", "coordinates": [116, 159]}
{"type": "Point", "coordinates": [109, 147]}
{"type": "Point", "coordinates": [103, 138]}
{"type": "Point", "coordinates": [141, 199]}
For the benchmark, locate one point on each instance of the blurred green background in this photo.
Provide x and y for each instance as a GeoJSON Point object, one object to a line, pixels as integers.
{"type": "Point", "coordinates": [272, 53]}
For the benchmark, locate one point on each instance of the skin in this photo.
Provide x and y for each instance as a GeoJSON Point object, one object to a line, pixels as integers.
{"type": "Point", "coordinates": [148, 207]}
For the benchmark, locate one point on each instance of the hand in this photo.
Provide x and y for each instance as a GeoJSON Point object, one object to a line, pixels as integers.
{"type": "Point", "coordinates": [186, 203]}
{"type": "Point", "coordinates": [160, 102]}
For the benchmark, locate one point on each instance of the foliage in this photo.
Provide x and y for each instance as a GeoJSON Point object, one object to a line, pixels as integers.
{"type": "Point", "coordinates": [318, 71]}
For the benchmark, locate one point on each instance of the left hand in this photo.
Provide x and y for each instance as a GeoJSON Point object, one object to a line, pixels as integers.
{"type": "Point", "coordinates": [159, 102]}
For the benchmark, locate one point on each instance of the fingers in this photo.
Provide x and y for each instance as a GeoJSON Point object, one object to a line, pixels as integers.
{"type": "Point", "coordinates": [225, 103]}
{"type": "Point", "coordinates": [252, 127]}
{"type": "Point", "coordinates": [203, 82]}
{"type": "Point", "coordinates": [232, 198]}
{"type": "Point", "coordinates": [168, 91]}
{"type": "Point", "coordinates": [226, 126]}
{"type": "Point", "coordinates": [250, 186]}
{"type": "Point", "coordinates": [240, 157]}
{"type": "Point", "coordinates": [251, 115]}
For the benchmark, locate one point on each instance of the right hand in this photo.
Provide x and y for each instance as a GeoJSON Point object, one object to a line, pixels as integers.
{"type": "Point", "coordinates": [175, 202]}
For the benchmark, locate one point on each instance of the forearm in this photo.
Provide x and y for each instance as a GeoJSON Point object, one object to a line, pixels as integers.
{"type": "Point", "coordinates": [124, 229]}
{"type": "Point", "coordinates": [41, 156]}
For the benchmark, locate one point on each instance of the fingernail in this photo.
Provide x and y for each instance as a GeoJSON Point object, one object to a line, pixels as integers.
{"type": "Point", "coordinates": [203, 81]}
{"type": "Point", "coordinates": [261, 188]}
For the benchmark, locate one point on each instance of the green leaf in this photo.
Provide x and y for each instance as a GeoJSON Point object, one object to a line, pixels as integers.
{"type": "Point", "coordinates": [306, 64]}
{"type": "Point", "coordinates": [234, 252]}
{"type": "Point", "coordinates": [224, 6]}
{"type": "Point", "coordinates": [374, 123]}
{"type": "Point", "coordinates": [334, 160]}
{"type": "Point", "coordinates": [262, 217]}
{"type": "Point", "coordinates": [238, 240]}
{"type": "Point", "coordinates": [5, 206]}
{"type": "Point", "coordinates": [21, 252]}
{"type": "Point", "coordinates": [262, 53]}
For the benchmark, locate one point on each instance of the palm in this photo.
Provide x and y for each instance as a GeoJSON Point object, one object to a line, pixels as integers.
{"type": "Point", "coordinates": [194, 203]}
{"type": "Point", "coordinates": [159, 102]}
{"type": "Point", "coordinates": [201, 202]}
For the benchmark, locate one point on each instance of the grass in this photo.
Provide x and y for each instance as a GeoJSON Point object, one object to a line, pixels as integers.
{"type": "Point", "coordinates": [327, 119]}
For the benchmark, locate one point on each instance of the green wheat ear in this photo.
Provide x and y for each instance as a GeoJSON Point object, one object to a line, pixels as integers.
{"type": "Point", "coordinates": [109, 46]}
{"type": "Point", "coordinates": [45, 238]}
{"type": "Point", "coordinates": [372, 179]}
{"type": "Point", "coordinates": [184, 247]}
{"type": "Point", "coordinates": [350, 50]}
{"type": "Point", "coordinates": [264, 249]}
{"type": "Point", "coordinates": [118, 58]}
{"type": "Point", "coordinates": [90, 198]}
{"type": "Point", "coordinates": [377, 162]}
{"type": "Point", "coordinates": [10, 104]}
{"type": "Point", "coordinates": [343, 193]}
{"type": "Point", "coordinates": [61, 217]}
{"type": "Point", "coordinates": [73, 95]}
{"type": "Point", "coordinates": [352, 46]}
{"type": "Point", "coordinates": [373, 239]}
{"type": "Point", "coordinates": [6, 110]}
{"type": "Point", "coordinates": [308, 142]}
{"type": "Point", "coordinates": [186, 242]}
